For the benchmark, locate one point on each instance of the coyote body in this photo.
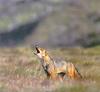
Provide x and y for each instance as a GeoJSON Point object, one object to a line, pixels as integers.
{"type": "Point", "coordinates": [55, 70]}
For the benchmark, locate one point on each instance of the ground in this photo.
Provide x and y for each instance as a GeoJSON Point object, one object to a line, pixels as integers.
{"type": "Point", "coordinates": [20, 72]}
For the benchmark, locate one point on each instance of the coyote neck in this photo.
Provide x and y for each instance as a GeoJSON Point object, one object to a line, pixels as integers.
{"type": "Point", "coordinates": [48, 60]}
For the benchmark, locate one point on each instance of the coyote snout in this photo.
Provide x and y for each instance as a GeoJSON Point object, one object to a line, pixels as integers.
{"type": "Point", "coordinates": [55, 70]}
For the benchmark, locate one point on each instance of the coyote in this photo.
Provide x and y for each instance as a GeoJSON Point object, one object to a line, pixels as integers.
{"type": "Point", "coordinates": [56, 70]}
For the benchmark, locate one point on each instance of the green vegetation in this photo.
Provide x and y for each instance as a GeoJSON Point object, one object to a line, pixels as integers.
{"type": "Point", "coordinates": [75, 88]}
{"type": "Point", "coordinates": [20, 70]}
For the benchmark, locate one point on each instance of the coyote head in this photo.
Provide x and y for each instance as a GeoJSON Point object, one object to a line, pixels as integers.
{"type": "Point", "coordinates": [40, 52]}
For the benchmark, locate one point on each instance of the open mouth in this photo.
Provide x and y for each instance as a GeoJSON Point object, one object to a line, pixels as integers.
{"type": "Point", "coordinates": [37, 50]}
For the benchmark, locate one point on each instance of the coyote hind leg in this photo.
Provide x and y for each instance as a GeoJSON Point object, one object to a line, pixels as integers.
{"type": "Point", "coordinates": [72, 72]}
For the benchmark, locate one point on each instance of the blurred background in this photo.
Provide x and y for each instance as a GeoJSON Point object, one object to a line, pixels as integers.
{"type": "Point", "coordinates": [54, 23]}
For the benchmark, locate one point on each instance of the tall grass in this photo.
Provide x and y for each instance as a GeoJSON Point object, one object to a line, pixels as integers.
{"type": "Point", "coordinates": [20, 70]}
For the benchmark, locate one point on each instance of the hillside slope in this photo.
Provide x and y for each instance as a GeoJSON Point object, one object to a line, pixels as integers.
{"type": "Point", "coordinates": [66, 22]}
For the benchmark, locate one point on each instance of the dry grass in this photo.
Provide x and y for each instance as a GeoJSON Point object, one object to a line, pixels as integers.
{"type": "Point", "coordinates": [20, 72]}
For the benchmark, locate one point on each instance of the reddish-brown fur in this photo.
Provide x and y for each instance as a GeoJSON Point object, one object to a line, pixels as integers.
{"type": "Point", "coordinates": [53, 71]}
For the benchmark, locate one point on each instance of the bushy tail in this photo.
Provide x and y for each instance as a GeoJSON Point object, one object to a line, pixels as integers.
{"type": "Point", "coordinates": [73, 72]}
